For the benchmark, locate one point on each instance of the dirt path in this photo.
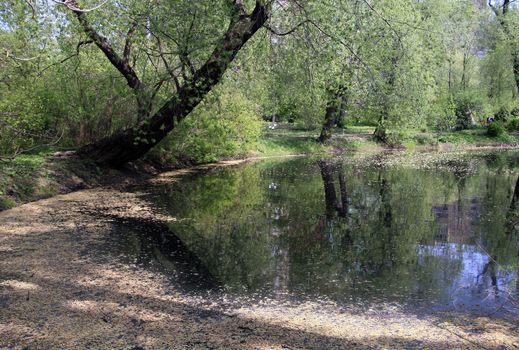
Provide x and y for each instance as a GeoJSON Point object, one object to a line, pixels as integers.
{"type": "Point", "coordinates": [58, 292]}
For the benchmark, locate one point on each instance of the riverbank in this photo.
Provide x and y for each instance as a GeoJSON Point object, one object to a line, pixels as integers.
{"type": "Point", "coordinates": [62, 287]}
{"type": "Point", "coordinates": [38, 176]}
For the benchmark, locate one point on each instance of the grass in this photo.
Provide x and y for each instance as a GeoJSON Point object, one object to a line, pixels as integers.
{"type": "Point", "coordinates": [289, 140]}
{"type": "Point", "coordinates": [278, 147]}
{"type": "Point", "coordinates": [285, 140]}
{"type": "Point", "coordinates": [477, 136]}
{"type": "Point", "coordinates": [354, 129]}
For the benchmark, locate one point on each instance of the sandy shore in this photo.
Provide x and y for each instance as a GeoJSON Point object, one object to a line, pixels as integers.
{"type": "Point", "coordinates": [58, 291]}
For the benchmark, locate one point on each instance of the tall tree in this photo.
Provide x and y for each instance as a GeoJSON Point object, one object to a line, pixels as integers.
{"type": "Point", "coordinates": [508, 23]}
{"type": "Point", "coordinates": [191, 83]}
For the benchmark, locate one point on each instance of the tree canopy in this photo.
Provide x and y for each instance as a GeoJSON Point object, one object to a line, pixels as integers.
{"type": "Point", "coordinates": [116, 78]}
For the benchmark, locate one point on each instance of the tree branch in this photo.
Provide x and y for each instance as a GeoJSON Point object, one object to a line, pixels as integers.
{"type": "Point", "coordinates": [81, 43]}
{"type": "Point", "coordinates": [166, 64]}
{"type": "Point", "coordinates": [72, 5]}
{"type": "Point", "coordinates": [493, 7]}
{"type": "Point", "coordinates": [102, 43]}
{"type": "Point", "coordinates": [128, 43]}
{"type": "Point", "coordinates": [273, 31]}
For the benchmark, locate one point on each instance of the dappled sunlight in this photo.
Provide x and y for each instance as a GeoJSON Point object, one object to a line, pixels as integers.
{"type": "Point", "coordinates": [19, 285]}
{"type": "Point", "coordinates": [62, 285]}
{"type": "Point", "coordinates": [384, 328]}
{"type": "Point", "coordinates": [124, 280]}
{"type": "Point", "coordinates": [137, 313]}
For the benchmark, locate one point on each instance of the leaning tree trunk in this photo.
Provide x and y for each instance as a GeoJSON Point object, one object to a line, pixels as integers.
{"type": "Point", "coordinates": [133, 143]}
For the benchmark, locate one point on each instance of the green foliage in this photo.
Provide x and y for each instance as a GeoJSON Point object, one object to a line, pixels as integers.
{"type": "Point", "coordinates": [470, 108]}
{"type": "Point", "coordinates": [496, 129]}
{"type": "Point", "coordinates": [425, 139]}
{"type": "Point", "coordinates": [443, 116]}
{"type": "Point", "coordinates": [513, 124]}
{"type": "Point", "coordinates": [506, 112]}
{"type": "Point", "coordinates": [425, 70]}
{"type": "Point", "coordinates": [6, 203]}
{"type": "Point", "coordinates": [503, 114]}
{"type": "Point", "coordinates": [223, 126]}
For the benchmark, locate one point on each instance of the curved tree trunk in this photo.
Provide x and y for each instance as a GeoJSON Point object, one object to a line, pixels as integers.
{"type": "Point", "coordinates": [133, 143]}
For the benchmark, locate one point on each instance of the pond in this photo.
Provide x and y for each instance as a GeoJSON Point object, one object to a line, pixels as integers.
{"type": "Point", "coordinates": [424, 232]}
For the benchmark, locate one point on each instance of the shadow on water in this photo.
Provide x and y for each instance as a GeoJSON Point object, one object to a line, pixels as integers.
{"type": "Point", "coordinates": [441, 238]}
{"type": "Point", "coordinates": [152, 244]}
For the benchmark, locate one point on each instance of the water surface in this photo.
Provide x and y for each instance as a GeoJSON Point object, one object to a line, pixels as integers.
{"type": "Point", "coordinates": [423, 232]}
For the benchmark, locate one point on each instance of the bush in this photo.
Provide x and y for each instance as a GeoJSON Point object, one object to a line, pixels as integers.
{"type": "Point", "coordinates": [513, 125]}
{"type": "Point", "coordinates": [424, 139]}
{"type": "Point", "coordinates": [392, 138]}
{"type": "Point", "coordinates": [469, 109]}
{"type": "Point", "coordinates": [6, 203]}
{"type": "Point", "coordinates": [503, 115]}
{"type": "Point", "coordinates": [496, 129]}
{"type": "Point", "coordinates": [224, 125]}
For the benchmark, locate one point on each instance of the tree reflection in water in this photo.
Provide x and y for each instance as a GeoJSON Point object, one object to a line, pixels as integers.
{"type": "Point", "coordinates": [355, 234]}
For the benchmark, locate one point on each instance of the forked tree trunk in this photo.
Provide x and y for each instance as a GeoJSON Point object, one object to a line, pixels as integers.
{"type": "Point", "coordinates": [133, 143]}
{"type": "Point", "coordinates": [329, 122]}
{"type": "Point", "coordinates": [333, 111]}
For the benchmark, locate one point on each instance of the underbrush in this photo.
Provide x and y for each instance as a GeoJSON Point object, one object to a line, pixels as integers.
{"type": "Point", "coordinates": [24, 178]}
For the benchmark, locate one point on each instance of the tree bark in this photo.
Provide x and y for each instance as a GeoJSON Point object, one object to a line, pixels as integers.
{"type": "Point", "coordinates": [133, 143]}
{"type": "Point", "coordinates": [333, 110]}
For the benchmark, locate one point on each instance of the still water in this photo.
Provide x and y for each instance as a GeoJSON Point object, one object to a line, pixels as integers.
{"type": "Point", "coordinates": [426, 232]}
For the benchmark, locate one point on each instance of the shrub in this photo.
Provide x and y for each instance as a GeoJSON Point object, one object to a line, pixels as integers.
{"type": "Point", "coordinates": [503, 115]}
{"type": "Point", "coordinates": [392, 138]}
{"type": "Point", "coordinates": [224, 125]}
{"type": "Point", "coordinates": [496, 129]}
{"type": "Point", "coordinates": [424, 139]}
{"type": "Point", "coordinates": [513, 125]}
{"type": "Point", "coordinates": [469, 108]}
